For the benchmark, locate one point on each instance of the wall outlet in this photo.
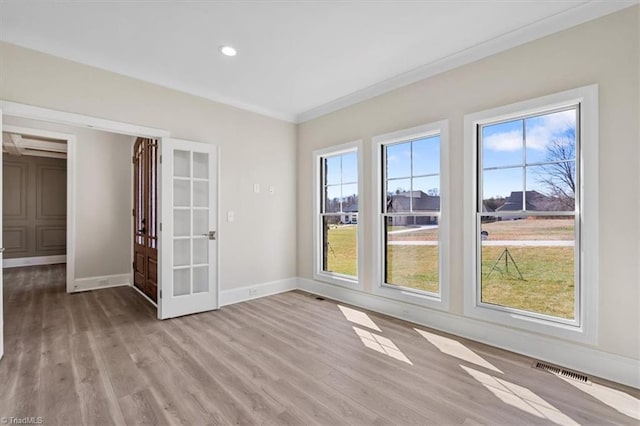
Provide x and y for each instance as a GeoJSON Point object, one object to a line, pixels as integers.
{"type": "Point", "coordinates": [256, 187]}
{"type": "Point", "coordinates": [230, 216]}
{"type": "Point", "coordinates": [253, 291]}
{"type": "Point", "coordinates": [272, 189]}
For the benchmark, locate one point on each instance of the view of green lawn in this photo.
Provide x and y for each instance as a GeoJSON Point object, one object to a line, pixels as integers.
{"type": "Point", "coordinates": [342, 256]}
{"type": "Point", "coordinates": [414, 267]}
{"type": "Point", "coordinates": [547, 284]}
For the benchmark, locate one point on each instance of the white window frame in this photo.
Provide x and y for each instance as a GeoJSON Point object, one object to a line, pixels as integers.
{"type": "Point", "coordinates": [318, 273]}
{"type": "Point", "coordinates": [584, 328]}
{"type": "Point", "coordinates": [436, 301]}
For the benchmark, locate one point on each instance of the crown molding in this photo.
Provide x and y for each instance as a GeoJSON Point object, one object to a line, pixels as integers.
{"type": "Point", "coordinates": [536, 30]}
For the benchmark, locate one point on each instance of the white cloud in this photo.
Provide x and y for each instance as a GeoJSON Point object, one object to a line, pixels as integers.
{"type": "Point", "coordinates": [545, 129]}
{"type": "Point", "coordinates": [507, 141]}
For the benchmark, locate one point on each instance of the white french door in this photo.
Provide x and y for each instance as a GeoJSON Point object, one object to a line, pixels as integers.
{"type": "Point", "coordinates": [189, 222]}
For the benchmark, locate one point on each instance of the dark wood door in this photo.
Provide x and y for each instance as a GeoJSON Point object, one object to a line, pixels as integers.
{"type": "Point", "coordinates": [145, 232]}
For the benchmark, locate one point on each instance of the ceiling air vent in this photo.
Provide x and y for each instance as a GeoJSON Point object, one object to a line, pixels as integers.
{"type": "Point", "coordinates": [558, 371]}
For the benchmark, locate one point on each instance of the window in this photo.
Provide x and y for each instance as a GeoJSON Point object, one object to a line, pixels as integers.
{"type": "Point", "coordinates": [338, 205]}
{"type": "Point", "coordinates": [527, 180]}
{"type": "Point", "coordinates": [411, 213]}
{"type": "Point", "coordinates": [528, 239]}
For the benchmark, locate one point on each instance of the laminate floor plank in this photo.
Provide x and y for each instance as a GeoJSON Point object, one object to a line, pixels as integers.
{"type": "Point", "coordinates": [215, 398]}
{"type": "Point", "coordinates": [96, 404]}
{"type": "Point", "coordinates": [102, 358]}
{"type": "Point", "coordinates": [142, 408]}
{"type": "Point", "coordinates": [296, 403]}
{"type": "Point", "coordinates": [388, 375]}
{"type": "Point", "coordinates": [274, 356]}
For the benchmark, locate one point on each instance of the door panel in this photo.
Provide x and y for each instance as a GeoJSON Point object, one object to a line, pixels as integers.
{"type": "Point", "coordinates": [145, 242]}
{"type": "Point", "coordinates": [190, 217]}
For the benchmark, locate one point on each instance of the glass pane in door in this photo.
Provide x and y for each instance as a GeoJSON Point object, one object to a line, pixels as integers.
{"type": "Point", "coordinates": [181, 282]}
{"type": "Point", "coordinates": [200, 279]}
{"type": "Point", "coordinates": [201, 165]}
{"type": "Point", "coordinates": [191, 222]}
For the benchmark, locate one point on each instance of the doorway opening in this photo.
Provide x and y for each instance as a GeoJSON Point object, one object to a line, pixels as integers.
{"type": "Point", "coordinates": [186, 193]}
{"type": "Point", "coordinates": [90, 200]}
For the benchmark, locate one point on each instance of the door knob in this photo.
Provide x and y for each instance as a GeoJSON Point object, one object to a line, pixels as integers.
{"type": "Point", "coordinates": [211, 235]}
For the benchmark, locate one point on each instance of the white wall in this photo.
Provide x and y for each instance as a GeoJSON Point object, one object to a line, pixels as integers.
{"type": "Point", "coordinates": [104, 235]}
{"type": "Point", "coordinates": [260, 245]}
{"type": "Point", "coordinates": [605, 52]}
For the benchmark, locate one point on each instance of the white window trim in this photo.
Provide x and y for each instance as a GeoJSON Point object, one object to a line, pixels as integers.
{"type": "Point", "coordinates": [585, 328]}
{"type": "Point", "coordinates": [440, 301]}
{"type": "Point", "coordinates": [318, 273]}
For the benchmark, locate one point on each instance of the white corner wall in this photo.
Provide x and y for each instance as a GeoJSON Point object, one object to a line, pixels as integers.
{"type": "Point", "coordinates": [603, 52]}
{"type": "Point", "coordinates": [260, 245]}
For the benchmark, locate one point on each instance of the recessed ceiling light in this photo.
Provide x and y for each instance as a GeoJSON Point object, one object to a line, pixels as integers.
{"type": "Point", "coordinates": [228, 50]}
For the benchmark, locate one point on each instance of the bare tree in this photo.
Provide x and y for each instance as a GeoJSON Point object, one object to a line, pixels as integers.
{"type": "Point", "coordinates": [560, 174]}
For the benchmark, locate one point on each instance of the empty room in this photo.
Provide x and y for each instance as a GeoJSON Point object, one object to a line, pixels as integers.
{"type": "Point", "coordinates": [320, 212]}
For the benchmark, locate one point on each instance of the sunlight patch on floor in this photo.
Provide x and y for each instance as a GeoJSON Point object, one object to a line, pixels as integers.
{"type": "Point", "coordinates": [381, 344]}
{"type": "Point", "coordinates": [456, 349]}
{"type": "Point", "coordinates": [618, 400]}
{"type": "Point", "coordinates": [520, 397]}
{"type": "Point", "coordinates": [358, 317]}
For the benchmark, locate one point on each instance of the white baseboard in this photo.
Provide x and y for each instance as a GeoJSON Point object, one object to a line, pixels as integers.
{"type": "Point", "coordinates": [104, 281]}
{"type": "Point", "coordinates": [563, 353]}
{"type": "Point", "coordinates": [242, 294]}
{"type": "Point", "coordinates": [33, 261]}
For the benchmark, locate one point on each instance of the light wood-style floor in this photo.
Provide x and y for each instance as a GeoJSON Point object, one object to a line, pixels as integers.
{"type": "Point", "coordinates": [102, 358]}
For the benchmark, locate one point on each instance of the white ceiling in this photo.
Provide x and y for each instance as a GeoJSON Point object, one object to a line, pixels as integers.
{"type": "Point", "coordinates": [296, 59]}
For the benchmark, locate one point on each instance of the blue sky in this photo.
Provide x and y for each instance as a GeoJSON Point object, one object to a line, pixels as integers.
{"type": "Point", "coordinates": [426, 161]}
{"type": "Point", "coordinates": [342, 175]}
{"type": "Point", "coordinates": [503, 144]}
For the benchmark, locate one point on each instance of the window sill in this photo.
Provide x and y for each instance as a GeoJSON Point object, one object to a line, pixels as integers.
{"type": "Point", "coordinates": [522, 321]}
{"type": "Point", "coordinates": [341, 280]}
{"type": "Point", "coordinates": [414, 297]}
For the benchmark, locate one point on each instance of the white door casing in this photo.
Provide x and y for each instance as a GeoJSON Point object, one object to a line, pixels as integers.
{"type": "Point", "coordinates": [188, 250]}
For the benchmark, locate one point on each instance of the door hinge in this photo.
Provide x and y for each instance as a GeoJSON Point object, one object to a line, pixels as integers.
{"type": "Point", "coordinates": [133, 160]}
{"type": "Point", "coordinates": [160, 159]}
{"type": "Point", "coordinates": [160, 294]}
{"type": "Point", "coordinates": [161, 226]}
{"type": "Point", "coordinates": [133, 212]}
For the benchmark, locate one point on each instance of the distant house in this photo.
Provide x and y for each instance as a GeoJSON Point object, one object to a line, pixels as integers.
{"type": "Point", "coordinates": [534, 200]}
{"type": "Point", "coordinates": [401, 202]}
{"type": "Point", "coordinates": [350, 212]}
